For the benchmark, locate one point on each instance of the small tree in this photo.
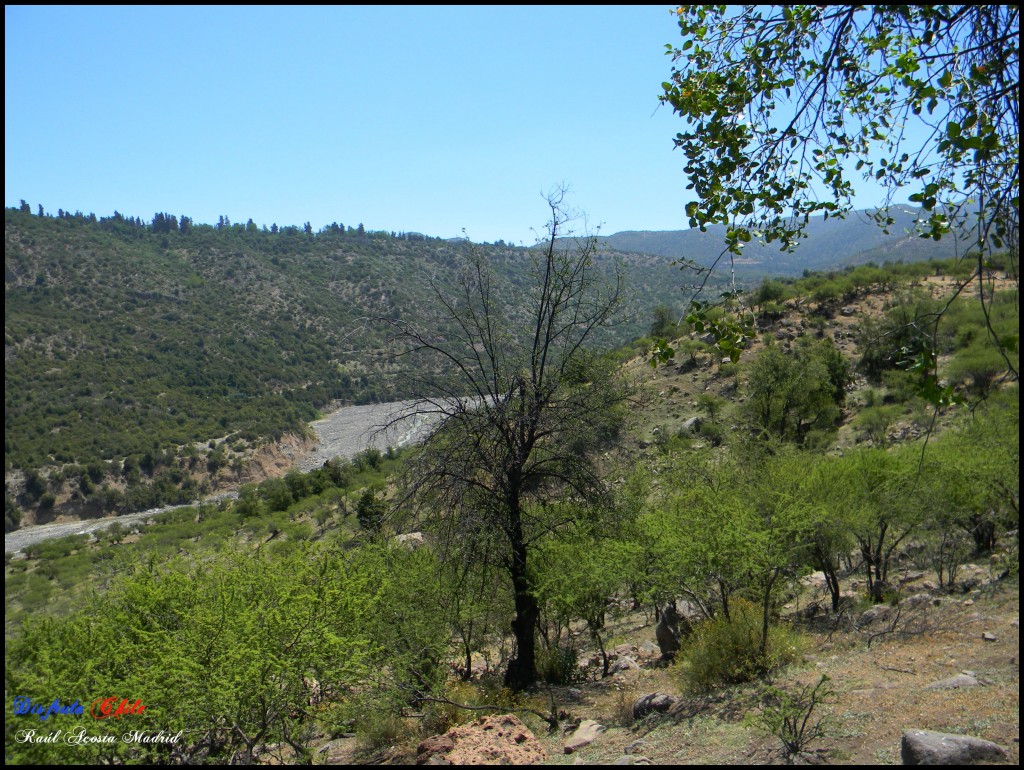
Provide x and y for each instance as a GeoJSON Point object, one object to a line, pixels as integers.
{"type": "Point", "coordinates": [520, 405]}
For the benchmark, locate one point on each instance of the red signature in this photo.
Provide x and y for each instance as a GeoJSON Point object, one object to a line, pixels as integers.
{"type": "Point", "coordinates": [102, 708]}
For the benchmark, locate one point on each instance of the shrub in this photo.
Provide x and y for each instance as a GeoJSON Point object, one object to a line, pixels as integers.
{"type": "Point", "coordinates": [713, 432]}
{"type": "Point", "coordinates": [379, 730]}
{"type": "Point", "coordinates": [789, 716]}
{"type": "Point", "coordinates": [558, 665]}
{"type": "Point", "coordinates": [725, 650]}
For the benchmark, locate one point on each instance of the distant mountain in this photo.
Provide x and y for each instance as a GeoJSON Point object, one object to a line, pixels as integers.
{"type": "Point", "coordinates": [829, 244]}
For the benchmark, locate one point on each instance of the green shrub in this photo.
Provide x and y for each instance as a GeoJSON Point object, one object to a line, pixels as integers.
{"type": "Point", "coordinates": [713, 432]}
{"type": "Point", "coordinates": [558, 665]}
{"type": "Point", "coordinates": [789, 716]}
{"type": "Point", "coordinates": [725, 650]}
{"type": "Point", "coordinates": [379, 730]}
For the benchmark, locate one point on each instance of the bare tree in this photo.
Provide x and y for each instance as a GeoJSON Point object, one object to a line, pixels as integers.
{"type": "Point", "coordinates": [520, 405]}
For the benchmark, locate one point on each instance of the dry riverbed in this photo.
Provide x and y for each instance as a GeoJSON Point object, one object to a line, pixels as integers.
{"type": "Point", "coordinates": [342, 433]}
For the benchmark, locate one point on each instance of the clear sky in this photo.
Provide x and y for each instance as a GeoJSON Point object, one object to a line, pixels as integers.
{"type": "Point", "coordinates": [402, 118]}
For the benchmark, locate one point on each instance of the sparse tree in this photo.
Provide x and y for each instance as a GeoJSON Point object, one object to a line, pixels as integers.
{"type": "Point", "coordinates": [520, 405]}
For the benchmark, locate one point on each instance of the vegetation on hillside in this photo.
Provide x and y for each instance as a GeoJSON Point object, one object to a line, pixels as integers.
{"type": "Point", "coordinates": [337, 626]}
{"type": "Point", "coordinates": [150, 356]}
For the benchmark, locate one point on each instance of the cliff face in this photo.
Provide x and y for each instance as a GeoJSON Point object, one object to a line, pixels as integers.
{"type": "Point", "coordinates": [272, 460]}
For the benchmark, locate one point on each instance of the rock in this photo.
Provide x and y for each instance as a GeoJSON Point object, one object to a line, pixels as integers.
{"type": "Point", "coordinates": [624, 649]}
{"type": "Point", "coordinates": [691, 425]}
{"type": "Point", "coordinates": [585, 734]}
{"type": "Point", "coordinates": [874, 614]}
{"type": "Point", "coordinates": [919, 600]}
{"type": "Point", "coordinates": [654, 702]}
{"type": "Point", "coordinates": [499, 739]}
{"type": "Point", "coordinates": [573, 694]}
{"type": "Point", "coordinates": [628, 759]}
{"type": "Point", "coordinates": [988, 636]}
{"type": "Point", "coordinates": [411, 540]}
{"type": "Point", "coordinates": [953, 683]}
{"type": "Point", "coordinates": [925, 747]}
{"type": "Point", "coordinates": [624, 663]}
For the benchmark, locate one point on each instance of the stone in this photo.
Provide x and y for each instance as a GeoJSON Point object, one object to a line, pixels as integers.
{"type": "Point", "coordinates": [634, 746]}
{"type": "Point", "coordinates": [919, 600]}
{"type": "Point", "coordinates": [632, 759]}
{"type": "Point", "coordinates": [874, 614]}
{"type": "Point", "coordinates": [411, 540]}
{"type": "Point", "coordinates": [953, 683]}
{"type": "Point", "coordinates": [925, 747]}
{"type": "Point", "coordinates": [499, 739]}
{"type": "Point", "coordinates": [654, 702]}
{"type": "Point", "coordinates": [585, 734]}
{"type": "Point", "coordinates": [624, 663]}
{"type": "Point", "coordinates": [988, 636]}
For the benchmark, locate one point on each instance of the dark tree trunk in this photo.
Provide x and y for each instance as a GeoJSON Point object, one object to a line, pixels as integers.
{"type": "Point", "coordinates": [832, 581]}
{"type": "Point", "coordinates": [522, 670]}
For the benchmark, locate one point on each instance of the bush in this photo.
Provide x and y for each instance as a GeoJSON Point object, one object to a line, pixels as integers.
{"type": "Point", "coordinates": [712, 432]}
{"type": "Point", "coordinates": [725, 650]}
{"type": "Point", "coordinates": [789, 716]}
{"type": "Point", "coordinates": [380, 730]}
{"type": "Point", "coordinates": [558, 665]}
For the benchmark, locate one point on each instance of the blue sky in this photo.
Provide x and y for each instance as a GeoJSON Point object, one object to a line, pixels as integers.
{"type": "Point", "coordinates": [400, 118]}
{"type": "Point", "coordinates": [425, 119]}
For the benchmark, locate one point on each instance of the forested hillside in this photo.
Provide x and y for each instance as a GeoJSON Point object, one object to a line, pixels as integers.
{"type": "Point", "coordinates": [130, 340]}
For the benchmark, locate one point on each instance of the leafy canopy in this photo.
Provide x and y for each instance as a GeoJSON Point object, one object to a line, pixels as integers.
{"type": "Point", "coordinates": [786, 105]}
{"type": "Point", "coordinates": [783, 103]}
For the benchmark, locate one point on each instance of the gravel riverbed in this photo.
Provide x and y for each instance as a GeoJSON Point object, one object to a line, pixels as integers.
{"type": "Point", "coordinates": [342, 433]}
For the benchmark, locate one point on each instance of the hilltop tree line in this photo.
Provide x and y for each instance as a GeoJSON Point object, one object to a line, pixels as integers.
{"type": "Point", "coordinates": [164, 223]}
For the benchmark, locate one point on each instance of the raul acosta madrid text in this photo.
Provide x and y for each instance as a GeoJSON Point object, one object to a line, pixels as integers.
{"type": "Point", "coordinates": [81, 737]}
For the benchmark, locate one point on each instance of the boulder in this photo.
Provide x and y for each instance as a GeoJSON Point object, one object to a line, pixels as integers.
{"type": "Point", "coordinates": [953, 683]}
{"type": "Point", "coordinates": [925, 747]}
{"type": "Point", "coordinates": [585, 734]}
{"type": "Point", "coordinates": [411, 540]}
{"type": "Point", "coordinates": [654, 702]}
{"type": "Point", "coordinates": [874, 614]}
{"type": "Point", "coordinates": [623, 663]}
{"type": "Point", "coordinates": [494, 740]}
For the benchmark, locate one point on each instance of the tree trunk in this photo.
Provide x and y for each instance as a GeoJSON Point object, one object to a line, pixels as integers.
{"type": "Point", "coordinates": [522, 670]}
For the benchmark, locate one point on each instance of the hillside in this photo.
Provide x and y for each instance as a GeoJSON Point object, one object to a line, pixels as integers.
{"type": "Point", "coordinates": [180, 347]}
{"type": "Point", "coordinates": [935, 650]}
{"type": "Point", "coordinates": [829, 245]}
